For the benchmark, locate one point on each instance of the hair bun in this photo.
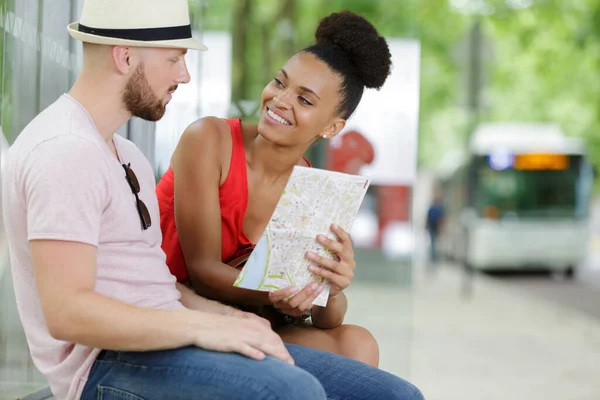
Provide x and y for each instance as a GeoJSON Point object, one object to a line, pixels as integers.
{"type": "Point", "coordinates": [365, 48]}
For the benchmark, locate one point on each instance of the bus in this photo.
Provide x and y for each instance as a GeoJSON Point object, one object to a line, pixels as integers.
{"type": "Point", "coordinates": [518, 199]}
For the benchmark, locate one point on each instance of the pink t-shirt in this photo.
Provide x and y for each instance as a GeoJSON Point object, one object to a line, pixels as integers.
{"type": "Point", "coordinates": [61, 181]}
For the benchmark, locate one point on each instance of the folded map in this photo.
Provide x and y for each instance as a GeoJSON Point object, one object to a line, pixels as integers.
{"type": "Point", "coordinates": [313, 199]}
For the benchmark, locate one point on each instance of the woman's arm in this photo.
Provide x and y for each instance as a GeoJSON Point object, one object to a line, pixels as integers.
{"type": "Point", "coordinates": [197, 166]}
{"type": "Point", "coordinates": [333, 314]}
{"type": "Point", "coordinates": [192, 301]}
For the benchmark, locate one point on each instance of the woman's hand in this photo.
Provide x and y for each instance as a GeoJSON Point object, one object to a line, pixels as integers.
{"type": "Point", "coordinates": [338, 272]}
{"type": "Point", "coordinates": [293, 302]}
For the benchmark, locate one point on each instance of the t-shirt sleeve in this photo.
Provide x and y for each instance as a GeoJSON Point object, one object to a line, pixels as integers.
{"type": "Point", "coordinates": [65, 189]}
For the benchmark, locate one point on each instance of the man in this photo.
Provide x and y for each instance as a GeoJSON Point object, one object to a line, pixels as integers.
{"type": "Point", "coordinates": [88, 269]}
{"type": "Point", "coordinates": [434, 223]}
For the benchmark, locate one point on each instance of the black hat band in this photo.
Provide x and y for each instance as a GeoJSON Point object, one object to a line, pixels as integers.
{"type": "Point", "coordinates": [142, 34]}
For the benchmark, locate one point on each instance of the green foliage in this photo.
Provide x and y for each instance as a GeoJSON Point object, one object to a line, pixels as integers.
{"type": "Point", "coordinates": [547, 72]}
{"type": "Point", "coordinates": [541, 64]}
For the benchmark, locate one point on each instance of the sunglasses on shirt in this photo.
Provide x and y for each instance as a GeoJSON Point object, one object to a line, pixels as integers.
{"type": "Point", "coordinates": [135, 188]}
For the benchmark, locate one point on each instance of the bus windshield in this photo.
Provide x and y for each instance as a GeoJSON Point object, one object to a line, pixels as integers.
{"type": "Point", "coordinates": [530, 192]}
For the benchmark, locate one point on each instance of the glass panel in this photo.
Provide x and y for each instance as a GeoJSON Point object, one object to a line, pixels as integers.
{"type": "Point", "coordinates": [18, 375]}
{"type": "Point", "coordinates": [39, 63]}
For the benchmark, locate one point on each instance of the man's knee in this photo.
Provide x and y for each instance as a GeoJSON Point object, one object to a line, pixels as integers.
{"type": "Point", "coordinates": [408, 391]}
{"type": "Point", "coordinates": [358, 343]}
{"type": "Point", "coordinates": [394, 388]}
{"type": "Point", "coordinates": [294, 383]}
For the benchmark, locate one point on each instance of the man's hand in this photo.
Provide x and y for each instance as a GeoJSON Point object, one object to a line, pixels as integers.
{"type": "Point", "coordinates": [294, 303]}
{"type": "Point", "coordinates": [248, 336]}
{"type": "Point", "coordinates": [247, 315]}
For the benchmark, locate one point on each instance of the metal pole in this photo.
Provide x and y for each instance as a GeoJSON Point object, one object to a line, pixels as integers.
{"type": "Point", "coordinates": [38, 73]}
{"type": "Point", "coordinates": [475, 74]}
{"type": "Point", "coordinates": [72, 48]}
{"type": "Point", "coordinates": [2, 71]}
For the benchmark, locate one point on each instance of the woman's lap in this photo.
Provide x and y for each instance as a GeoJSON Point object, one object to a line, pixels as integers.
{"type": "Point", "coordinates": [346, 340]}
{"type": "Point", "coordinates": [344, 378]}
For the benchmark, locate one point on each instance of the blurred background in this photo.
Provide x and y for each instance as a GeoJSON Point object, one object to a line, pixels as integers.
{"type": "Point", "coordinates": [478, 241]}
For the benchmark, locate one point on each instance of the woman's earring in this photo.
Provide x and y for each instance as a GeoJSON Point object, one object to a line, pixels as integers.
{"type": "Point", "coordinates": [324, 136]}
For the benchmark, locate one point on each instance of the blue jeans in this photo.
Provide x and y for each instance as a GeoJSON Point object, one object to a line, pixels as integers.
{"type": "Point", "coordinates": [194, 373]}
{"type": "Point", "coordinates": [433, 236]}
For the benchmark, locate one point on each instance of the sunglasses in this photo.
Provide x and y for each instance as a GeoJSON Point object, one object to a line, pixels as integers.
{"type": "Point", "coordinates": [135, 188]}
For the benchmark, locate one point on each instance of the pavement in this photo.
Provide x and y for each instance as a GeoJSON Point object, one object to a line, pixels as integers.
{"type": "Point", "coordinates": [475, 339]}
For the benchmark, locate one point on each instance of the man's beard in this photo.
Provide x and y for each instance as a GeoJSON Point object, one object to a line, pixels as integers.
{"type": "Point", "coordinates": [140, 100]}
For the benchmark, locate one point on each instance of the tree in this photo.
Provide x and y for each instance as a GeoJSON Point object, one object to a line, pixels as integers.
{"type": "Point", "coordinates": [546, 58]}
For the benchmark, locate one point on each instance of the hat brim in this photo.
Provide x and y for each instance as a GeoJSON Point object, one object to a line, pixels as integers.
{"type": "Point", "coordinates": [190, 43]}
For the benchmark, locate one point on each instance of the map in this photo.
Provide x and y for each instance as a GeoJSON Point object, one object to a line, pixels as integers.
{"type": "Point", "coordinates": [313, 199]}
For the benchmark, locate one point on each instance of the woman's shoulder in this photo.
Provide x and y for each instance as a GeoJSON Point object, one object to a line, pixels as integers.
{"type": "Point", "coordinates": [207, 126]}
{"type": "Point", "coordinates": [207, 141]}
{"type": "Point", "coordinates": [205, 135]}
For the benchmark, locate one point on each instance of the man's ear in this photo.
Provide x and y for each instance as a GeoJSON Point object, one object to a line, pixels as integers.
{"type": "Point", "coordinates": [122, 59]}
{"type": "Point", "coordinates": [333, 129]}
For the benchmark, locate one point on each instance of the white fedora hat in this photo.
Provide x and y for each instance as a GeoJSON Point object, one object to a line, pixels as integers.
{"type": "Point", "coordinates": [143, 23]}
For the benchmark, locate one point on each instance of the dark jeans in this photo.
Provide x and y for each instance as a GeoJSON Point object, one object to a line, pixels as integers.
{"type": "Point", "coordinates": [433, 238]}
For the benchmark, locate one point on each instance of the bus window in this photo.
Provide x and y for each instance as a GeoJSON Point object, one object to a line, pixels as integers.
{"type": "Point", "coordinates": [529, 192]}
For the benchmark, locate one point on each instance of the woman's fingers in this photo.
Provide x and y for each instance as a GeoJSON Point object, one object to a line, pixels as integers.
{"type": "Point", "coordinates": [333, 278]}
{"type": "Point", "coordinates": [282, 294]}
{"type": "Point", "coordinates": [333, 245]}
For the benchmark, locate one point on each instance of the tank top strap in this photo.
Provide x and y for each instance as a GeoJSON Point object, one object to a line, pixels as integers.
{"type": "Point", "coordinates": [236, 177]}
{"type": "Point", "coordinates": [235, 125]}
{"type": "Point", "coordinates": [233, 197]}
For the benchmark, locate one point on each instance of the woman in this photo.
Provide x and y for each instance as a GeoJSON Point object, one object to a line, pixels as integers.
{"type": "Point", "coordinates": [226, 178]}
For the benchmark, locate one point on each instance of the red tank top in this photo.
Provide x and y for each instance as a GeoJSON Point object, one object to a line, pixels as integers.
{"type": "Point", "coordinates": [233, 199]}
